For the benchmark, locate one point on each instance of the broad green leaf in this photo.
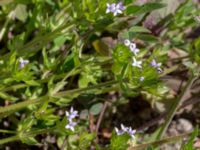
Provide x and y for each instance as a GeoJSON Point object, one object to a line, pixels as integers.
{"type": "Point", "coordinates": [139, 29]}
{"type": "Point", "coordinates": [148, 7]}
{"type": "Point", "coordinates": [85, 140]}
{"type": "Point", "coordinates": [21, 12]}
{"type": "Point", "coordinates": [96, 108]}
{"type": "Point", "coordinates": [29, 140]}
{"type": "Point", "coordinates": [119, 142]}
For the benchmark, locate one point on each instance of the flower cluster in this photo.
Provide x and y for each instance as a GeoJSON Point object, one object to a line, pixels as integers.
{"type": "Point", "coordinates": [70, 116]}
{"type": "Point", "coordinates": [132, 46]}
{"type": "Point", "coordinates": [115, 8]}
{"type": "Point", "coordinates": [22, 62]}
{"type": "Point", "coordinates": [127, 130]}
{"type": "Point", "coordinates": [135, 50]}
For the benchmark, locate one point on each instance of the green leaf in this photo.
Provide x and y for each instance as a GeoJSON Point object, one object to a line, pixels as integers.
{"type": "Point", "coordinates": [139, 29]}
{"type": "Point", "coordinates": [21, 12]}
{"type": "Point", "coordinates": [5, 2]}
{"type": "Point", "coordinates": [8, 96]}
{"type": "Point", "coordinates": [119, 142]}
{"type": "Point", "coordinates": [147, 37]}
{"type": "Point", "coordinates": [29, 140]}
{"type": "Point", "coordinates": [96, 108]}
{"type": "Point", "coordinates": [85, 140]}
{"type": "Point", "coordinates": [148, 7]}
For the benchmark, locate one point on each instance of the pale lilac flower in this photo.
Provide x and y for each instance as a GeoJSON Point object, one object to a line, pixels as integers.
{"type": "Point", "coordinates": [155, 64]}
{"type": "Point", "coordinates": [131, 132]}
{"type": "Point", "coordinates": [72, 114]}
{"type": "Point", "coordinates": [136, 63]}
{"type": "Point", "coordinates": [110, 8]}
{"type": "Point", "coordinates": [132, 46]}
{"type": "Point", "coordinates": [23, 62]}
{"type": "Point", "coordinates": [127, 130]}
{"type": "Point", "coordinates": [135, 51]}
{"type": "Point", "coordinates": [127, 42]}
{"type": "Point", "coordinates": [71, 125]}
{"type": "Point", "coordinates": [119, 132]}
{"type": "Point", "coordinates": [115, 8]}
{"type": "Point", "coordinates": [141, 78]}
{"type": "Point", "coordinates": [120, 6]}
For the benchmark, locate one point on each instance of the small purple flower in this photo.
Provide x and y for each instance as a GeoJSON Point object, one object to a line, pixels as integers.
{"type": "Point", "coordinates": [155, 64]}
{"type": "Point", "coordinates": [23, 62]}
{"type": "Point", "coordinates": [127, 130]}
{"type": "Point", "coordinates": [120, 6]}
{"type": "Point", "coordinates": [136, 63]}
{"type": "Point", "coordinates": [141, 78]}
{"type": "Point", "coordinates": [135, 51]}
{"type": "Point", "coordinates": [119, 132]}
{"type": "Point", "coordinates": [71, 125]}
{"type": "Point", "coordinates": [110, 8]}
{"type": "Point", "coordinates": [127, 42]}
{"type": "Point", "coordinates": [72, 114]}
{"type": "Point", "coordinates": [132, 46]}
{"type": "Point", "coordinates": [115, 8]}
{"type": "Point", "coordinates": [131, 132]}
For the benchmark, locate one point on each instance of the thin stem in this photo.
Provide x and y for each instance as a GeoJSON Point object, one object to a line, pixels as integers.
{"type": "Point", "coordinates": [100, 119]}
{"type": "Point", "coordinates": [175, 106]}
{"type": "Point", "coordinates": [158, 143]}
{"type": "Point", "coordinates": [19, 105]}
{"type": "Point", "coordinates": [7, 131]}
{"type": "Point", "coordinates": [10, 139]}
{"type": "Point", "coordinates": [64, 144]}
{"type": "Point", "coordinates": [68, 92]}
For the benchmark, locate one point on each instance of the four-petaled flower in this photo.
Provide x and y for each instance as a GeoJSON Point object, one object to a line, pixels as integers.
{"type": "Point", "coordinates": [115, 8]}
{"type": "Point", "coordinates": [131, 132]}
{"type": "Point", "coordinates": [71, 125]}
{"type": "Point", "coordinates": [23, 62]}
{"type": "Point", "coordinates": [155, 64]}
{"type": "Point", "coordinates": [110, 7]}
{"type": "Point", "coordinates": [72, 114]}
{"type": "Point", "coordinates": [127, 42]}
{"type": "Point", "coordinates": [136, 63]}
{"type": "Point", "coordinates": [141, 78]}
{"type": "Point", "coordinates": [132, 46]}
{"type": "Point", "coordinates": [127, 130]}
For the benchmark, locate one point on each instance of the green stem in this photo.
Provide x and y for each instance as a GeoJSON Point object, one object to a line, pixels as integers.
{"type": "Point", "coordinates": [3, 30]}
{"type": "Point", "coordinates": [174, 107]}
{"type": "Point", "coordinates": [29, 134]}
{"type": "Point", "coordinates": [158, 143]}
{"type": "Point", "coordinates": [69, 92]}
{"type": "Point", "coordinates": [40, 131]}
{"type": "Point", "coordinates": [10, 139]}
{"type": "Point", "coordinates": [20, 105]}
{"type": "Point", "coordinates": [7, 131]}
